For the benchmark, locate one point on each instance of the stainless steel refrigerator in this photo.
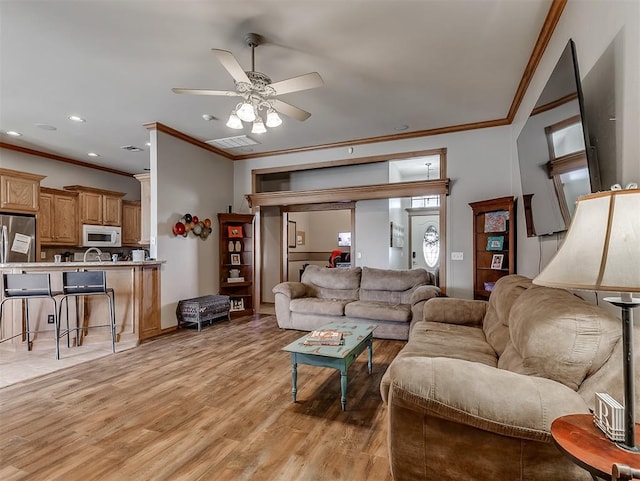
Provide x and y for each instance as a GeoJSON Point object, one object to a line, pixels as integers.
{"type": "Point", "coordinates": [17, 238]}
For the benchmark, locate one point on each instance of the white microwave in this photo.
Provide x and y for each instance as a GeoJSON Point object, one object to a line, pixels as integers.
{"type": "Point", "coordinates": [101, 236]}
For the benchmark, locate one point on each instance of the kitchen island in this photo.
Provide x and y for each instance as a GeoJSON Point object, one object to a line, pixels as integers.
{"type": "Point", "coordinates": [136, 287]}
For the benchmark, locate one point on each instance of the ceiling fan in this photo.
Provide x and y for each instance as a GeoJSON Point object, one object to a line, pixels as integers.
{"type": "Point", "coordinates": [257, 91]}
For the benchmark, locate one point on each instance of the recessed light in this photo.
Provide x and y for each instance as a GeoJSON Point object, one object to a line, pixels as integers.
{"type": "Point", "coordinates": [148, 144]}
{"type": "Point", "coordinates": [75, 118]}
{"type": "Point", "coordinates": [46, 127]}
{"type": "Point", "coordinates": [93, 154]}
{"type": "Point", "coordinates": [208, 117]}
{"type": "Point", "coordinates": [13, 133]}
{"type": "Point", "coordinates": [400, 128]}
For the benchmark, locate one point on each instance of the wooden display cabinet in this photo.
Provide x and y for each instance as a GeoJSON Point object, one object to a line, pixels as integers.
{"type": "Point", "coordinates": [494, 243]}
{"type": "Point", "coordinates": [237, 257]}
{"type": "Point", "coordinates": [57, 217]}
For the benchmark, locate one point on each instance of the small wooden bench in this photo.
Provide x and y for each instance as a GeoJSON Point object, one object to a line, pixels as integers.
{"type": "Point", "coordinates": [202, 309]}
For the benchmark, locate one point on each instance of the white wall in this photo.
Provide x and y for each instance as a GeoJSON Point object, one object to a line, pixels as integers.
{"type": "Point", "coordinates": [186, 179]}
{"type": "Point", "coordinates": [593, 26]}
{"type": "Point", "coordinates": [60, 174]}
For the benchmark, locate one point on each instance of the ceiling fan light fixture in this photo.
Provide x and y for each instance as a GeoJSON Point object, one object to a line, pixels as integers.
{"type": "Point", "coordinates": [246, 112]}
{"type": "Point", "coordinates": [273, 119]}
{"type": "Point", "coordinates": [258, 127]}
{"type": "Point", "coordinates": [234, 121]}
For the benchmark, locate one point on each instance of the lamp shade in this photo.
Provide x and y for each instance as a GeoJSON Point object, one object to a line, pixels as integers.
{"type": "Point", "coordinates": [246, 112]}
{"type": "Point", "coordinates": [234, 121]}
{"type": "Point", "coordinates": [601, 250]}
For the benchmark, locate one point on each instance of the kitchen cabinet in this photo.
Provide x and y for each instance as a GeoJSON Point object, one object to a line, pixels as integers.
{"type": "Point", "coordinates": [494, 243]}
{"type": "Point", "coordinates": [19, 191]}
{"type": "Point", "coordinates": [98, 206]}
{"type": "Point", "coordinates": [57, 217]}
{"type": "Point", "coordinates": [236, 262]}
{"type": "Point", "coordinates": [145, 207]}
{"type": "Point", "coordinates": [130, 223]}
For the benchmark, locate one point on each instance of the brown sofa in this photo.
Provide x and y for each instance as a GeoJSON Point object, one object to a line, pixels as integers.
{"type": "Point", "coordinates": [392, 299]}
{"type": "Point", "coordinates": [474, 392]}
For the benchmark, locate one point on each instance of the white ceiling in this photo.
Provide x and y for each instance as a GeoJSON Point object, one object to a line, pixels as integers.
{"type": "Point", "coordinates": [426, 64]}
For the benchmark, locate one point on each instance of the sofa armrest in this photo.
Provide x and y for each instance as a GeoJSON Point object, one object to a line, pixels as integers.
{"type": "Point", "coordinates": [424, 293]}
{"type": "Point", "coordinates": [292, 290]}
{"type": "Point", "coordinates": [481, 396]}
{"type": "Point", "coordinates": [284, 293]}
{"type": "Point", "coordinates": [451, 310]}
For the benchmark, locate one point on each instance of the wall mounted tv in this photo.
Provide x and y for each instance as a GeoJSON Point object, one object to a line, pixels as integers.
{"type": "Point", "coordinates": [556, 163]}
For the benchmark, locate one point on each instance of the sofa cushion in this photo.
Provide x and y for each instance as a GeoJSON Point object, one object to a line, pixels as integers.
{"type": "Point", "coordinates": [379, 311]}
{"type": "Point", "coordinates": [437, 339]}
{"type": "Point", "coordinates": [315, 305]}
{"type": "Point", "coordinates": [496, 320]}
{"type": "Point", "coordinates": [556, 335]}
{"type": "Point", "coordinates": [342, 283]}
{"type": "Point", "coordinates": [392, 286]}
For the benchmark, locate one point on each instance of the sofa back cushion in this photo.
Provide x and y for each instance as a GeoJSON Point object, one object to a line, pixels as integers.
{"type": "Point", "coordinates": [496, 320]}
{"type": "Point", "coordinates": [326, 283]}
{"type": "Point", "coordinates": [393, 286]}
{"type": "Point", "coordinates": [558, 336]}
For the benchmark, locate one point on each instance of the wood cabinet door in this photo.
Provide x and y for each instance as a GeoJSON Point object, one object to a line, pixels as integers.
{"type": "Point", "coordinates": [65, 220]}
{"type": "Point", "coordinates": [130, 223]}
{"type": "Point", "coordinates": [19, 194]}
{"type": "Point", "coordinates": [90, 208]}
{"type": "Point", "coordinates": [112, 213]}
{"type": "Point", "coordinates": [45, 218]}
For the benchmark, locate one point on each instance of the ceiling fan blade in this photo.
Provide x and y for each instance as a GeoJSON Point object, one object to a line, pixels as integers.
{"type": "Point", "coordinates": [229, 62]}
{"type": "Point", "coordinates": [303, 82]}
{"type": "Point", "coordinates": [228, 93]}
{"type": "Point", "coordinates": [290, 110]}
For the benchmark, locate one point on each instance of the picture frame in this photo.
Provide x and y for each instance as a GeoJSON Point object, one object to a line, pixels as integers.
{"type": "Point", "coordinates": [237, 305]}
{"type": "Point", "coordinates": [234, 231]}
{"type": "Point", "coordinates": [496, 261]}
{"type": "Point", "coordinates": [291, 235]}
{"type": "Point", "coordinates": [235, 259]}
{"type": "Point", "coordinates": [495, 243]}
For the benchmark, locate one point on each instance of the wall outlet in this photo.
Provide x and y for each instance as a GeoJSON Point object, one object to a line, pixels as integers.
{"type": "Point", "coordinates": [50, 319]}
{"type": "Point", "coordinates": [43, 255]}
{"type": "Point", "coordinates": [457, 256]}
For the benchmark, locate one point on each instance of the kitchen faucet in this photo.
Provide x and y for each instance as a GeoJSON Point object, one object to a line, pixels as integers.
{"type": "Point", "coordinates": [98, 251]}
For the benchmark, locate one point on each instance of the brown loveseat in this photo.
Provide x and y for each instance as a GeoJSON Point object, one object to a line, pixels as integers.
{"type": "Point", "coordinates": [474, 392]}
{"type": "Point", "coordinates": [392, 299]}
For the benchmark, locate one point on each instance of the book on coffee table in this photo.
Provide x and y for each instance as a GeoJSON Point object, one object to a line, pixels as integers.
{"type": "Point", "coordinates": [324, 338]}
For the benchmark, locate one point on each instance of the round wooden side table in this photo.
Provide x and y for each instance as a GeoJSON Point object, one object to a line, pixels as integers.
{"type": "Point", "coordinates": [579, 439]}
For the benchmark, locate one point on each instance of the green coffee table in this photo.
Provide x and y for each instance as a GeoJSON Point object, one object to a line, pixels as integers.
{"type": "Point", "coordinates": [357, 337]}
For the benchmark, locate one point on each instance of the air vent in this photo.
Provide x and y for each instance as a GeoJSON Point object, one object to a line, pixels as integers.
{"type": "Point", "coordinates": [132, 148]}
{"type": "Point", "coordinates": [233, 142]}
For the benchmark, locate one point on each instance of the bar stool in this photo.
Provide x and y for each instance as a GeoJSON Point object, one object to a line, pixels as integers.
{"type": "Point", "coordinates": [86, 283]}
{"type": "Point", "coordinates": [26, 287]}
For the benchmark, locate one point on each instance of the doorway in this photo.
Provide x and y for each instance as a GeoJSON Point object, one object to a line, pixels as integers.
{"type": "Point", "coordinates": [425, 241]}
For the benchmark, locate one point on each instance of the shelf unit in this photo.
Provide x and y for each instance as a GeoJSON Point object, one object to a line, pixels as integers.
{"type": "Point", "coordinates": [483, 270]}
{"type": "Point", "coordinates": [237, 253]}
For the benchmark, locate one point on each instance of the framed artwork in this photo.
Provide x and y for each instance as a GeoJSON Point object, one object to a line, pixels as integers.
{"type": "Point", "coordinates": [496, 261]}
{"type": "Point", "coordinates": [495, 243]}
{"type": "Point", "coordinates": [237, 304]}
{"type": "Point", "coordinates": [291, 235]}
{"type": "Point", "coordinates": [235, 259]}
{"type": "Point", "coordinates": [234, 231]}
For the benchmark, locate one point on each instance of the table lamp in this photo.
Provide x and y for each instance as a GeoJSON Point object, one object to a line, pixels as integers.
{"type": "Point", "coordinates": [601, 252]}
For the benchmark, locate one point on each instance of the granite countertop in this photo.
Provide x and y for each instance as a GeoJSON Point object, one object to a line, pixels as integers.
{"type": "Point", "coordinates": [79, 265]}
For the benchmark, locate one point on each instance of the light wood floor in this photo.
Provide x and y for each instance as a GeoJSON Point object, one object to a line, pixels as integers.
{"type": "Point", "coordinates": [212, 406]}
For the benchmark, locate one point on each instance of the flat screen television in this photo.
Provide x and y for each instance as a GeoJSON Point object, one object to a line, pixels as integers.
{"type": "Point", "coordinates": [557, 164]}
